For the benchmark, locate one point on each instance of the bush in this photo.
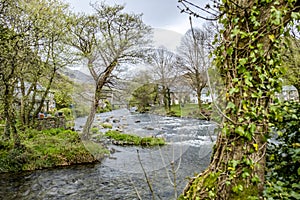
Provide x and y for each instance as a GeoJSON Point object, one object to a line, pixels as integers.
{"type": "Point", "coordinates": [283, 154]}
{"type": "Point", "coordinates": [67, 113]}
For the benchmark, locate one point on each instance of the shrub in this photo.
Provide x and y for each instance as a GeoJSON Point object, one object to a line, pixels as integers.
{"type": "Point", "coordinates": [283, 155]}
{"type": "Point", "coordinates": [67, 113]}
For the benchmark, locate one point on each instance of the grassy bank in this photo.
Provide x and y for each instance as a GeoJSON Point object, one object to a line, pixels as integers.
{"type": "Point", "coordinates": [47, 148]}
{"type": "Point", "coordinates": [129, 139]}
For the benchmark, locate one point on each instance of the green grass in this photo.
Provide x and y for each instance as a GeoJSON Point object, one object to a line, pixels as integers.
{"type": "Point", "coordinates": [47, 148]}
{"type": "Point", "coordinates": [130, 139]}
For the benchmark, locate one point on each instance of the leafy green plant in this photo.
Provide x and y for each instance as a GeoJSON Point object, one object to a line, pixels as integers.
{"type": "Point", "coordinates": [67, 113]}
{"type": "Point", "coordinates": [283, 155]}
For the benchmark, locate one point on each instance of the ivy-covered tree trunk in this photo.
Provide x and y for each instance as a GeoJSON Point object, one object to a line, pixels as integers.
{"type": "Point", "coordinates": [249, 60]}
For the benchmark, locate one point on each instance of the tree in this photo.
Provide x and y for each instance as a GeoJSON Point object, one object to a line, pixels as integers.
{"type": "Point", "coordinates": [107, 39]}
{"type": "Point", "coordinates": [39, 27]}
{"type": "Point", "coordinates": [292, 61]}
{"type": "Point", "coordinates": [165, 72]}
{"type": "Point", "coordinates": [46, 25]}
{"type": "Point", "coordinates": [9, 72]}
{"type": "Point", "coordinates": [144, 96]}
{"type": "Point", "coordinates": [249, 60]}
{"type": "Point", "coordinates": [194, 52]}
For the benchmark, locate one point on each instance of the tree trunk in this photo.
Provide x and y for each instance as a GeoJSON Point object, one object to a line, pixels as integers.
{"type": "Point", "coordinates": [248, 59]}
{"type": "Point", "coordinates": [199, 90]}
{"type": "Point", "coordinates": [169, 101]}
{"type": "Point", "coordinates": [10, 122]}
{"type": "Point", "coordinates": [90, 120]}
{"type": "Point", "coordinates": [165, 98]}
{"type": "Point", "coordinates": [100, 82]}
{"type": "Point", "coordinates": [7, 104]}
{"type": "Point", "coordinates": [45, 94]}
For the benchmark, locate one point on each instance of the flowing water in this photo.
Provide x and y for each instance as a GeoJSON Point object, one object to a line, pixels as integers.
{"type": "Point", "coordinates": [130, 172]}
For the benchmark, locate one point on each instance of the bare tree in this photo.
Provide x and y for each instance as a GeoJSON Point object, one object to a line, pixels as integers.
{"type": "Point", "coordinates": [165, 72]}
{"type": "Point", "coordinates": [194, 53]}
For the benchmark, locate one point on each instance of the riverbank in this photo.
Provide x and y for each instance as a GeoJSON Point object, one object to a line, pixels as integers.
{"type": "Point", "coordinates": [47, 149]}
{"type": "Point", "coordinates": [186, 110]}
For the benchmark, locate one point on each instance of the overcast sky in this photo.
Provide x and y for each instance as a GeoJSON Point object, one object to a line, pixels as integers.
{"type": "Point", "coordinates": [156, 13]}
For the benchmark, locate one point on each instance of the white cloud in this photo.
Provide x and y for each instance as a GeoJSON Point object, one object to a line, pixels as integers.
{"type": "Point", "coordinates": [156, 13]}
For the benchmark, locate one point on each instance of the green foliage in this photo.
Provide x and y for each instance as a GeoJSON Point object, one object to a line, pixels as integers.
{"type": "Point", "coordinates": [144, 96]}
{"type": "Point", "coordinates": [106, 108]}
{"type": "Point", "coordinates": [68, 113]}
{"type": "Point", "coordinates": [41, 149]}
{"type": "Point", "coordinates": [283, 155]}
{"type": "Point", "coordinates": [129, 139]}
{"type": "Point", "coordinates": [62, 98]}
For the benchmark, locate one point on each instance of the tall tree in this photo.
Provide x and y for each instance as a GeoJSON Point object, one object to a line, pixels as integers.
{"type": "Point", "coordinates": [46, 25]}
{"type": "Point", "coordinates": [40, 26]}
{"type": "Point", "coordinates": [194, 52]}
{"type": "Point", "coordinates": [10, 58]}
{"type": "Point", "coordinates": [107, 39]}
{"type": "Point", "coordinates": [248, 58]}
{"type": "Point", "coordinates": [165, 72]}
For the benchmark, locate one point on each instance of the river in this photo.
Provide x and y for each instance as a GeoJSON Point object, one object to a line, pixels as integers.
{"type": "Point", "coordinates": [121, 176]}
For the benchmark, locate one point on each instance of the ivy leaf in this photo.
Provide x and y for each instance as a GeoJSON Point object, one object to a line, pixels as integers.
{"type": "Point", "coordinates": [240, 130]}
{"type": "Point", "coordinates": [237, 188]}
{"type": "Point", "coordinates": [230, 105]}
{"type": "Point", "coordinates": [255, 147]}
{"type": "Point", "coordinates": [272, 37]}
{"type": "Point", "coordinates": [245, 174]}
{"type": "Point", "coordinates": [255, 179]}
{"type": "Point", "coordinates": [229, 51]}
{"type": "Point", "coordinates": [243, 61]}
{"type": "Point", "coordinates": [252, 128]}
{"type": "Point", "coordinates": [295, 15]}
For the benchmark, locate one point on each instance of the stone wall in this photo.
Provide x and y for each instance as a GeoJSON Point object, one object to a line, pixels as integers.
{"type": "Point", "coordinates": [51, 122]}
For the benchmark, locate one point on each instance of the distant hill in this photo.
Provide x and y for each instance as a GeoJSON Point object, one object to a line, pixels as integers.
{"type": "Point", "coordinates": [78, 76]}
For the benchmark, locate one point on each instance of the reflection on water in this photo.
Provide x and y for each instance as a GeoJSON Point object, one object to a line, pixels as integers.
{"type": "Point", "coordinates": [121, 176]}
